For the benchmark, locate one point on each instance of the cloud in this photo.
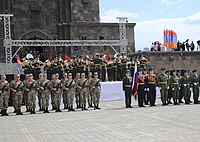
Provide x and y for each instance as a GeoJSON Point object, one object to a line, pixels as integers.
{"type": "Point", "coordinates": [150, 31]}
{"type": "Point", "coordinates": [170, 2]}
{"type": "Point", "coordinates": [111, 15]}
{"type": "Point", "coordinates": [147, 32]}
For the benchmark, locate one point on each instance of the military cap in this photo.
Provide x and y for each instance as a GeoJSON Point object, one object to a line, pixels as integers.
{"type": "Point", "coordinates": [17, 75]}
{"type": "Point", "coordinates": [70, 74]}
{"type": "Point", "coordinates": [188, 70]}
{"type": "Point", "coordinates": [90, 73]}
{"type": "Point", "coordinates": [30, 74]}
{"type": "Point", "coordinates": [173, 70]}
{"type": "Point", "coordinates": [97, 54]}
{"type": "Point", "coordinates": [95, 73]}
{"type": "Point", "coordinates": [178, 70]}
{"type": "Point", "coordinates": [145, 69]}
{"type": "Point", "coordinates": [167, 71]}
{"type": "Point", "coordinates": [195, 70]}
{"type": "Point", "coordinates": [163, 69]}
{"type": "Point", "coordinates": [128, 71]}
{"type": "Point", "coordinates": [3, 75]}
{"type": "Point", "coordinates": [151, 69]}
{"type": "Point", "coordinates": [140, 69]}
{"type": "Point", "coordinates": [57, 74]}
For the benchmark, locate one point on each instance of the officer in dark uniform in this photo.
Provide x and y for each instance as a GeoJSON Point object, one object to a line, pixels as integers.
{"type": "Point", "coordinates": [97, 62]}
{"type": "Point", "coordinates": [127, 87]}
{"type": "Point", "coordinates": [152, 87]}
{"type": "Point", "coordinates": [141, 86]}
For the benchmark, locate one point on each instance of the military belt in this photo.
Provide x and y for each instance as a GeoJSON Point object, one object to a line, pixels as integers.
{"type": "Point", "coordinates": [175, 83]}
{"type": "Point", "coordinates": [128, 86]}
{"type": "Point", "coordinates": [163, 82]}
{"type": "Point", "coordinates": [141, 83]}
{"type": "Point", "coordinates": [151, 82]}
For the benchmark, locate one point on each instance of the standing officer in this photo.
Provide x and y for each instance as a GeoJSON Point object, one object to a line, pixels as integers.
{"type": "Point", "coordinates": [127, 87]}
{"type": "Point", "coordinates": [39, 83]}
{"type": "Point", "coordinates": [152, 87]}
{"type": "Point", "coordinates": [167, 72]}
{"type": "Point", "coordinates": [32, 88]}
{"type": "Point", "coordinates": [4, 95]}
{"type": "Point", "coordinates": [96, 89]}
{"type": "Point", "coordinates": [71, 91]}
{"type": "Point", "coordinates": [16, 86]}
{"type": "Point", "coordinates": [141, 86]}
{"type": "Point", "coordinates": [77, 95]}
{"type": "Point", "coordinates": [25, 95]}
{"type": "Point", "coordinates": [64, 95]}
{"type": "Point", "coordinates": [146, 87]}
{"type": "Point", "coordinates": [162, 83]}
{"type": "Point", "coordinates": [45, 86]}
{"type": "Point", "coordinates": [57, 89]}
{"type": "Point", "coordinates": [174, 84]}
{"type": "Point", "coordinates": [185, 82]}
{"type": "Point", "coordinates": [91, 93]}
{"type": "Point", "coordinates": [83, 89]}
{"type": "Point", "coordinates": [195, 86]}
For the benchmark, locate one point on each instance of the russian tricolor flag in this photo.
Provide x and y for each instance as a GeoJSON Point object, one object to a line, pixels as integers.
{"type": "Point", "coordinates": [135, 81]}
{"type": "Point", "coordinates": [19, 65]}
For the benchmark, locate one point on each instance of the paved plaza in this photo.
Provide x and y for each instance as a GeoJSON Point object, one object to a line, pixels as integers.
{"type": "Point", "coordinates": [113, 123]}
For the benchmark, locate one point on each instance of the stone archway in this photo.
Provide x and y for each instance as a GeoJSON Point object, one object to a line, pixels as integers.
{"type": "Point", "coordinates": [37, 35]}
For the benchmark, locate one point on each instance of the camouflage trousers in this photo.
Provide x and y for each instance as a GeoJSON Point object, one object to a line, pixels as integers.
{"type": "Point", "coordinates": [39, 98]}
{"type": "Point", "coordinates": [45, 98]}
{"type": "Point", "coordinates": [57, 99]}
{"type": "Point", "coordinates": [32, 99]}
{"type": "Point", "coordinates": [77, 95]}
{"type": "Point", "coordinates": [52, 99]}
{"type": "Point", "coordinates": [65, 98]}
{"type": "Point", "coordinates": [90, 97]}
{"type": "Point", "coordinates": [96, 96]}
{"type": "Point", "coordinates": [83, 96]}
{"type": "Point", "coordinates": [17, 97]}
{"type": "Point", "coordinates": [25, 97]}
{"type": "Point", "coordinates": [4, 96]}
{"type": "Point", "coordinates": [70, 97]}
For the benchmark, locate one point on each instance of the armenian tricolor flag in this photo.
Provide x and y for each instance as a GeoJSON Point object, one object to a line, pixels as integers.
{"type": "Point", "coordinates": [170, 39]}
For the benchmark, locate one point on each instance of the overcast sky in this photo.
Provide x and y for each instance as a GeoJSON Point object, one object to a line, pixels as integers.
{"type": "Point", "coordinates": [153, 16]}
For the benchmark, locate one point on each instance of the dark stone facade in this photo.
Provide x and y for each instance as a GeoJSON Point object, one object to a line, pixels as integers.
{"type": "Point", "coordinates": [60, 19]}
{"type": "Point", "coordinates": [172, 60]}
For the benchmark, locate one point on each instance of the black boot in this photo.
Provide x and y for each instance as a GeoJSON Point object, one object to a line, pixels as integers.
{"type": "Point", "coordinates": [95, 107]}
{"type": "Point", "coordinates": [59, 109]}
{"type": "Point", "coordinates": [40, 107]}
{"type": "Point", "coordinates": [69, 108]}
{"type": "Point", "coordinates": [20, 113]}
{"type": "Point", "coordinates": [82, 108]}
{"type": "Point", "coordinates": [15, 111]}
{"type": "Point", "coordinates": [47, 111]}
{"type": "Point", "coordinates": [85, 107]}
{"type": "Point", "coordinates": [72, 108]}
{"type": "Point", "coordinates": [2, 112]}
{"type": "Point", "coordinates": [98, 107]}
{"type": "Point", "coordinates": [5, 113]}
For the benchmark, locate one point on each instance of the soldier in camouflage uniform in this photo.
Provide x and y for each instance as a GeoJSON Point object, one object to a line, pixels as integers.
{"type": "Point", "coordinates": [32, 88]}
{"type": "Point", "coordinates": [70, 86]}
{"type": "Point", "coordinates": [64, 95]}
{"type": "Point", "coordinates": [16, 86]}
{"type": "Point", "coordinates": [90, 94]}
{"type": "Point", "coordinates": [174, 84]}
{"type": "Point", "coordinates": [39, 83]}
{"type": "Point", "coordinates": [96, 89]}
{"type": "Point", "coordinates": [4, 95]}
{"type": "Point", "coordinates": [195, 86]}
{"type": "Point", "coordinates": [52, 92]}
{"type": "Point", "coordinates": [77, 95]}
{"type": "Point", "coordinates": [57, 90]}
{"type": "Point", "coordinates": [83, 87]}
{"type": "Point", "coordinates": [25, 96]}
{"type": "Point", "coordinates": [45, 93]}
{"type": "Point", "coordinates": [162, 83]}
{"type": "Point", "coordinates": [185, 82]}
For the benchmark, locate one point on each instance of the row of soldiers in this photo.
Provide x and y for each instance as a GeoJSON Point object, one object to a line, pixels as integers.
{"type": "Point", "coordinates": [108, 68]}
{"type": "Point", "coordinates": [84, 90]}
{"type": "Point", "coordinates": [172, 84]}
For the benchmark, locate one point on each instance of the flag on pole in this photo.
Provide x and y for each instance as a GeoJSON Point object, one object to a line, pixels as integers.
{"type": "Point", "coordinates": [135, 81]}
{"type": "Point", "coordinates": [19, 65]}
{"type": "Point", "coordinates": [170, 39]}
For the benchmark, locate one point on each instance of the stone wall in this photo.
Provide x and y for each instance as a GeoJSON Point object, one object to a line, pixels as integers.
{"type": "Point", "coordinates": [173, 60]}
